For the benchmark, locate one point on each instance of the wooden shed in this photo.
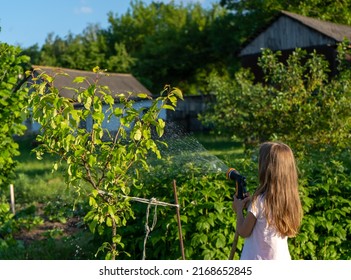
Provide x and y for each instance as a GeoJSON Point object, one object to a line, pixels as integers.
{"type": "Point", "coordinates": [288, 31]}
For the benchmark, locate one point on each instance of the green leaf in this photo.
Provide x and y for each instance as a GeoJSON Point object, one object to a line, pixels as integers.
{"type": "Point", "coordinates": [98, 116]}
{"type": "Point", "coordinates": [160, 127]}
{"type": "Point", "coordinates": [79, 153]}
{"type": "Point", "coordinates": [109, 222]}
{"type": "Point", "coordinates": [203, 238]}
{"type": "Point", "coordinates": [168, 107]}
{"type": "Point", "coordinates": [137, 135]}
{"type": "Point", "coordinates": [47, 78]}
{"type": "Point", "coordinates": [111, 211]}
{"type": "Point", "coordinates": [116, 239]}
{"type": "Point", "coordinates": [118, 112]}
{"type": "Point", "coordinates": [55, 167]}
{"type": "Point", "coordinates": [92, 226]}
{"type": "Point", "coordinates": [109, 99]}
{"type": "Point", "coordinates": [79, 80]}
{"type": "Point", "coordinates": [173, 100]}
{"type": "Point", "coordinates": [221, 241]}
{"type": "Point", "coordinates": [88, 102]}
{"type": "Point", "coordinates": [143, 95]}
{"type": "Point", "coordinates": [92, 202]}
{"type": "Point", "coordinates": [177, 92]}
{"type": "Point", "coordinates": [91, 160]}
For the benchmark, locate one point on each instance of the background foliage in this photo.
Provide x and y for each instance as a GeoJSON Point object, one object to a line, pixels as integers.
{"type": "Point", "coordinates": [12, 102]}
{"type": "Point", "coordinates": [298, 102]}
{"type": "Point", "coordinates": [171, 43]}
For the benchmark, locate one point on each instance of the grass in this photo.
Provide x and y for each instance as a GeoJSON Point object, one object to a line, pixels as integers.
{"type": "Point", "coordinates": [50, 215]}
{"type": "Point", "coordinates": [221, 146]}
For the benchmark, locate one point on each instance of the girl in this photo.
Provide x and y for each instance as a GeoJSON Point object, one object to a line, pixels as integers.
{"type": "Point", "coordinates": [275, 211]}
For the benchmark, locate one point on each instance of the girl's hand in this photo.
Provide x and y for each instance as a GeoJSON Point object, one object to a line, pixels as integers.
{"type": "Point", "coordinates": [239, 204]}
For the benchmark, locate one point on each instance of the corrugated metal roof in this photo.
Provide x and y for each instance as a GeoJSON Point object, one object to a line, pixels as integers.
{"type": "Point", "coordinates": [117, 83]}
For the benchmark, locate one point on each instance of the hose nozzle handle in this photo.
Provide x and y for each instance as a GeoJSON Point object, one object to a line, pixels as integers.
{"type": "Point", "coordinates": [240, 188]}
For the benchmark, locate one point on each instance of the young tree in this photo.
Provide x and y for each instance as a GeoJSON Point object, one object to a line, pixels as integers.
{"type": "Point", "coordinates": [107, 162]}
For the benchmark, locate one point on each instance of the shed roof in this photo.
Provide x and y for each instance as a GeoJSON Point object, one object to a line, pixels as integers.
{"type": "Point", "coordinates": [323, 31]}
{"type": "Point", "coordinates": [338, 32]}
{"type": "Point", "coordinates": [117, 83]}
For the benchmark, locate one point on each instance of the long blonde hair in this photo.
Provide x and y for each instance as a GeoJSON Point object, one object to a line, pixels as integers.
{"type": "Point", "coordinates": [278, 182]}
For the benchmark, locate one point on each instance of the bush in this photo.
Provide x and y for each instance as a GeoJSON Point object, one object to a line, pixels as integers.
{"type": "Point", "coordinates": [298, 102]}
{"type": "Point", "coordinates": [326, 229]}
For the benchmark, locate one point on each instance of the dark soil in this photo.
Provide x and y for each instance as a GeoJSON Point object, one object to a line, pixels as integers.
{"type": "Point", "coordinates": [41, 232]}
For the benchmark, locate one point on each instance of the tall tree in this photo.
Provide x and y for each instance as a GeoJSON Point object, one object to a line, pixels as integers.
{"type": "Point", "coordinates": [171, 43]}
{"type": "Point", "coordinates": [158, 43]}
{"type": "Point", "coordinates": [334, 11]}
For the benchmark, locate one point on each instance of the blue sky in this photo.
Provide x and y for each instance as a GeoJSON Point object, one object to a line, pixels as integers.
{"type": "Point", "coordinates": [25, 23]}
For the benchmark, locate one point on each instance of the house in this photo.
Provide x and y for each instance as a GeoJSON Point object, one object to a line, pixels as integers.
{"type": "Point", "coordinates": [288, 31]}
{"type": "Point", "coordinates": [117, 83]}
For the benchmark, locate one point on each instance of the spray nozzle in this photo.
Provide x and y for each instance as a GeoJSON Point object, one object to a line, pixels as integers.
{"type": "Point", "coordinates": [240, 188]}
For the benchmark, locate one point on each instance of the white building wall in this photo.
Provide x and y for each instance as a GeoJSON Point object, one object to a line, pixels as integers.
{"type": "Point", "coordinates": [111, 125]}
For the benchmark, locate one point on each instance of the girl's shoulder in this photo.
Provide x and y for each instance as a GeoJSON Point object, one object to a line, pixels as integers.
{"type": "Point", "coordinates": [259, 199]}
{"type": "Point", "coordinates": [257, 205]}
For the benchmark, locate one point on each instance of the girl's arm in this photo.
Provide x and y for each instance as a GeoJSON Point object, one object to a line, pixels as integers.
{"type": "Point", "coordinates": [244, 225]}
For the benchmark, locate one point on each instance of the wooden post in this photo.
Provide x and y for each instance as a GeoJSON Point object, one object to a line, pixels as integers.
{"type": "Point", "coordinates": [12, 195]}
{"type": "Point", "coordinates": [178, 219]}
{"type": "Point", "coordinates": [235, 242]}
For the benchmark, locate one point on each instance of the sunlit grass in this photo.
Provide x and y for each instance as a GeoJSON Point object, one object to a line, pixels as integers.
{"type": "Point", "coordinates": [222, 147]}
{"type": "Point", "coordinates": [35, 181]}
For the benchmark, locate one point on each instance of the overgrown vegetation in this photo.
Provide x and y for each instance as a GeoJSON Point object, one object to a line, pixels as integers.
{"type": "Point", "coordinates": [298, 103]}
{"type": "Point", "coordinates": [205, 197]}
{"type": "Point", "coordinates": [48, 219]}
{"type": "Point", "coordinates": [42, 197]}
{"type": "Point", "coordinates": [12, 103]}
{"type": "Point", "coordinates": [208, 223]}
